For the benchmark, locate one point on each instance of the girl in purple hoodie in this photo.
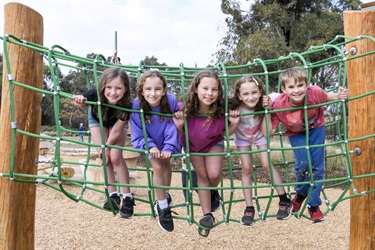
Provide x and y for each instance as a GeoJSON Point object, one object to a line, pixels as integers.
{"type": "Point", "coordinates": [161, 137]}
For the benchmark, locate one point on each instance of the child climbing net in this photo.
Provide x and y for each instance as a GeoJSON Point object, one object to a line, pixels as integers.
{"type": "Point", "coordinates": [337, 148]}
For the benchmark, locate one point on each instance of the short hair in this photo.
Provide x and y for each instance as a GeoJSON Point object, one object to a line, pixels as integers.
{"type": "Point", "coordinates": [297, 74]}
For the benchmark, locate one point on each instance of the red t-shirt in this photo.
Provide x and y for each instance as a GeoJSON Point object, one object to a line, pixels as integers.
{"type": "Point", "coordinates": [293, 121]}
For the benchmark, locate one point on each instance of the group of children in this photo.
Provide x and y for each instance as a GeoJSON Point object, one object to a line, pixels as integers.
{"type": "Point", "coordinates": [204, 113]}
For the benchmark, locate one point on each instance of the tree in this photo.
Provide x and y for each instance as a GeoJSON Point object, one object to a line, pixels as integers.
{"type": "Point", "coordinates": [272, 28]}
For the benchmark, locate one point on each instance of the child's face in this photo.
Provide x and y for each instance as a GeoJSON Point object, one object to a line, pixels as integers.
{"type": "Point", "coordinates": [114, 90]}
{"type": "Point", "coordinates": [207, 91]}
{"type": "Point", "coordinates": [295, 90]}
{"type": "Point", "coordinates": [153, 91]}
{"type": "Point", "coordinates": [249, 94]}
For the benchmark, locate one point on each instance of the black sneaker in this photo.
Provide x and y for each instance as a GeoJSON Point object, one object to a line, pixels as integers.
{"type": "Point", "coordinates": [127, 209]}
{"type": "Point", "coordinates": [208, 222]}
{"type": "Point", "coordinates": [115, 200]}
{"type": "Point", "coordinates": [248, 216]}
{"type": "Point", "coordinates": [165, 220]}
{"type": "Point", "coordinates": [169, 199]}
{"type": "Point", "coordinates": [285, 210]}
{"type": "Point", "coordinates": [215, 200]}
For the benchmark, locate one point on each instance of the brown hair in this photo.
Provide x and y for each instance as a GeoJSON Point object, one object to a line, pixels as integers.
{"type": "Point", "coordinates": [296, 74]}
{"type": "Point", "coordinates": [191, 107]}
{"type": "Point", "coordinates": [108, 75]}
{"type": "Point", "coordinates": [235, 101]}
{"type": "Point", "coordinates": [144, 105]}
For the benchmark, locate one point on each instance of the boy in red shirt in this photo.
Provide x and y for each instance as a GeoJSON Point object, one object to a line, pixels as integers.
{"type": "Point", "coordinates": [294, 90]}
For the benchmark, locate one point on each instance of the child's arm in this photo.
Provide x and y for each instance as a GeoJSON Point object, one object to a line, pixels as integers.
{"type": "Point", "coordinates": [342, 94]}
{"type": "Point", "coordinates": [78, 101]}
{"type": "Point", "coordinates": [267, 101]}
{"type": "Point", "coordinates": [234, 119]}
{"type": "Point", "coordinates": [178, 120]}
{"type": "Point", "coordinates": [116, 132]}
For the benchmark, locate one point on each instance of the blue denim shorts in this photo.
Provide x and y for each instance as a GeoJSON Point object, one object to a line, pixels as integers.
{"type": "Point", "coordinates": [92, 122]}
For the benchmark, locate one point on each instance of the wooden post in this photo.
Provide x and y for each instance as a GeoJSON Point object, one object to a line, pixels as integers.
{"type": "Point", "coordinates": [17, 200]}
{"type": "Point", "coordinates": [361, 80]}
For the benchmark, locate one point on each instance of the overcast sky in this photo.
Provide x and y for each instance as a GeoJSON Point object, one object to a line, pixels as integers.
{"type": "Point", "coordinates": [174, 31]}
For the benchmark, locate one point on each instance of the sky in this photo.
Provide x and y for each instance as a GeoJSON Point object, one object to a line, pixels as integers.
{"type": "Point", "coordinates": [173, 31]}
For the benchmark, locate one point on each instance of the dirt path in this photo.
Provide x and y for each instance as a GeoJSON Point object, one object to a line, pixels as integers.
{"type": "Point", "coordinates": [64, 224]}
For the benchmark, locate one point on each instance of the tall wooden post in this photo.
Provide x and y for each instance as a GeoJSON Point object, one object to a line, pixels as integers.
{"type": "Point", "coordinates": [17, 200]}
{"type": "Point", "coordinates": [361, 79]}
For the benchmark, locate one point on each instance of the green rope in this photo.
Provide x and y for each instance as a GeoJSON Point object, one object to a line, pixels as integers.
{"type": "Point", "coordinates": [57, 56]}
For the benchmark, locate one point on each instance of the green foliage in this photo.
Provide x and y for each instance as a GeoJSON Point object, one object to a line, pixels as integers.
{"type": "Point", "coordinates": [273, 28]}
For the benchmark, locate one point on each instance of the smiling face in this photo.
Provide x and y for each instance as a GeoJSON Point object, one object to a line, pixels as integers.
{"type": "Point", "coordinates": [114, 90]}
{"type": "Point", "coordinates": [249, 94]}
{"type": "Point", "coordinates": [207, 92]}
{"type": "Point", "coordinates": [153, 91]}
{"type": "Point", "coordinates": [295, 90]}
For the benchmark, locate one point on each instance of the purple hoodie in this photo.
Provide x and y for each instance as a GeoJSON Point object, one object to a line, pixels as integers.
{"type": "Point", "coordinates": [160, 134]}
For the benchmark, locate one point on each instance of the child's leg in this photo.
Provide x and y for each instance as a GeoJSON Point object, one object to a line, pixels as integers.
{"type": "Point", "coordinates": [301, 165]}
{"type": "Point", "coordinates": [119, 164]}
{"type": "Point", "coordinates": [317, 137]}
{"type": "Point", "coordinates": [247, 172]}
{"type": "Point", "coordinates": [97, 139]}
{"type": "Point", "coordinates": [159, 177]}
{"type": "Point", "coordinates": [266, 167]}
{"type": "Point", "coordinates": [214, 166]}
{"type": "Point", "coordinates": [203, 181]}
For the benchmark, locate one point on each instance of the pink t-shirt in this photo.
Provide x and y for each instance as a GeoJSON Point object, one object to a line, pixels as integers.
{"type": "Point", "coordinates": [293, 121]}
{"type": "Point", "coordinates": [202, 137]}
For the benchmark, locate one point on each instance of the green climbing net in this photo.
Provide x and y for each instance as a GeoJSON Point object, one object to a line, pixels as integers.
{"type": "Point", "coordinates": [330, 55]}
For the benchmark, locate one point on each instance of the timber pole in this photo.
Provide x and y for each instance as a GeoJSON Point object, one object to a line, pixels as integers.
{"type": "Point", "coordinates": [361, 80]}
{"type": "Point", "coordinates": [17, 199]}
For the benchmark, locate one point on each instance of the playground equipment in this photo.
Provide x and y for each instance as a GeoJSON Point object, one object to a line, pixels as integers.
{"type": "Point", "coordinates": [17, 162]}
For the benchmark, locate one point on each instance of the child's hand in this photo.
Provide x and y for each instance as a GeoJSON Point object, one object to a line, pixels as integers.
{"type": "Point", "coordinates": [234, 116]}
{"type": "Point", "coordinates": [165, 155]}
{"type": "Point", "coordinates": [266, 101]}
{"type": "Point", "coordinates": [79, 99]}
{"type": "Point", "coordinates": [155, 152]}
{"type": "Point", "coordinates": [342, 93]}
{"type": "Point", "coordinates": [178, 120]}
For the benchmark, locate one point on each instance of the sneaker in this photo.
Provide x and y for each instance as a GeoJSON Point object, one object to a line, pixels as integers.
{"type": "Point", "coordinates": [316, 215]}
{"type": "Point", "coordinates": [165, 220]}
{"type": "Point", "coordinates": [169, 199]}
{"type": "Point", "coordinates": [215, 200]}
{"type": "Point", "coordinates": [115, 200]}
{"type": "Point", "coordinates": [285, 210]}
{"type": "Point", "coordinates": [206, 221]}
{"type": "Point", "coordinates": [248, 216]}
{"type": "Point", "coordinates": [127, 209]}
{"type": "Point", "coordinates": [297, 202]}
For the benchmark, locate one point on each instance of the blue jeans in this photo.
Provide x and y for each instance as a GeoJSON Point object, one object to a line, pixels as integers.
{"type": "Point", "coordinates": [301, 168]}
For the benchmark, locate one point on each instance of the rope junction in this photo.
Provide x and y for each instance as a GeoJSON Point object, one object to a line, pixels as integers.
{"type": "Point", "coordinates": [316, 58]}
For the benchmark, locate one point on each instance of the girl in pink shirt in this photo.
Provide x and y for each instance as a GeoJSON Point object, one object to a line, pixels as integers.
{"type": "Point", "coordinates": [204, 109]}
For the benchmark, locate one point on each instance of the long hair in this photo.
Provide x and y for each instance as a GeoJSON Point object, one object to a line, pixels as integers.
{"type": "Point", "coordinates": [108, 75]}
{"type": "Point", "coordinates": [216, 109]}
{"type": "Point", "coordinates": [164, 104]}
{"type": "Point", "coordinates": [235, 101]}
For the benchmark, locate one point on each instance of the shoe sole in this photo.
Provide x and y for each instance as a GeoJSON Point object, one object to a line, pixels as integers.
{"type": "Point", "coordinates": [156, 213]}
{"type": "Point", "coordinates": [126, 216]}
{"type": "Point", "coordinates": [205, 223]}
{"type": "Point", "coordinates": [318, 220]}
{"type": "Point", "coordinates": [246, 224]}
